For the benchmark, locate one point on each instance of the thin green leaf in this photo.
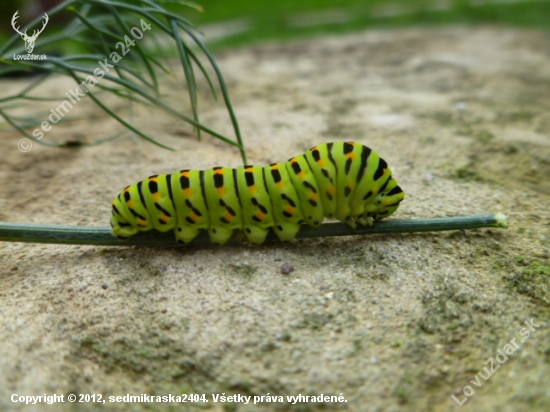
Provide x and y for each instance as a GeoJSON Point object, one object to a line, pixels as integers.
{"type": "Point", "coordinates": [24, 133]}
{"type": "Point", "coordinates": [159, 103]}
{"type": "Point", "coordinates": [190, 4]}
{"type": "Point", "coordinates": [122, 23]}
{"type": "Point", "coordinates": [203, 70]}
{"type": "Point", "coordinates": [188, 70]}
{"type": "Point", "coordinates": [224, 91]}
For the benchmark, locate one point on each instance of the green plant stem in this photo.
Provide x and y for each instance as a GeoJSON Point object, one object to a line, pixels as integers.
{"type": "Point", "coordinates": [101, 236]}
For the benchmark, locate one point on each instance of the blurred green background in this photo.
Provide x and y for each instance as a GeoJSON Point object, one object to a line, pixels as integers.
{"type": "Point", "coordinates": [239, 22]}
{"type": "Point", "coordinates": [288, 19]}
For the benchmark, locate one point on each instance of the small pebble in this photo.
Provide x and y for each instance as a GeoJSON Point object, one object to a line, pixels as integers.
{"type": "Point", "coordinates": [428, 177]}
{"type": "Point", "coordinates": [286, 268]}
{"type": "Point", "coordinates": [460, 106]}
{"type": "Point", "coordinates": [104, 286]}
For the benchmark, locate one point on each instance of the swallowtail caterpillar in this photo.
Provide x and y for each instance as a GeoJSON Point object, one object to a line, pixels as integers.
{"type": "Point", "coordinates": [344, 181]}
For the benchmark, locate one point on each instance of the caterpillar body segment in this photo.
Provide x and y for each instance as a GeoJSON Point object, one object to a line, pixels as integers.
{"type": "Point", "coordinates": [287, 210]}
{"type": "Point", "coordinates": [254, 197]}
{"type": "Point", "coordinates": [306, 186]}
{"type": "Point", "coordinates": [348, 164]}
{"type": "Point", "coordinates": [222, 201]}
{"type": "Point", "coordinates": [343, 180]}
{"type": "Point", "coordinates": [323, 166]}
{"type": "Point", "coordinates": [158, 197]}
{"type": "Point", "coordinates": [192, 213]}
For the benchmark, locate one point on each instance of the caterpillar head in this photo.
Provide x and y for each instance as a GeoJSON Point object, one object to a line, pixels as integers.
{"type": "Point", "coordinates": [386, 202]}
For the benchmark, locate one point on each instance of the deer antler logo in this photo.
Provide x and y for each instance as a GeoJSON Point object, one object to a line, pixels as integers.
{"type": "Point", "coordinates": [29, 40]}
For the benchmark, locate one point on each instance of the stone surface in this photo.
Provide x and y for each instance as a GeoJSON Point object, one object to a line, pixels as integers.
{"type": "Point", "coordinates": [394, 323]}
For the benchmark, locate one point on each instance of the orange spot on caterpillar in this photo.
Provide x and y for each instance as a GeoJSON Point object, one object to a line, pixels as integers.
{"type": "Point", "coordinates": [275, 167]}
{"type": "Point", "coordinates": [130, 203]}
{"type": "Point", "coordinates": [228, 217]}
{"type": "Point", "coordinates": [194, 217]}
{"type": "Point", "coordinates": [142, 222]}
{"type": "Point", "coordinates": [187, 192]}
{"type": "Point", "coordinates": [164, 218]}
{"type": "Point", "coordinates": [152, 179]}
{"type": "Point", "coordinates": [331, 190]}
{"type": "Point", "coordinates": [313, 196]}
{"type": "Point", "coordinates": [289, 209]}
{"type": "Point", "coordinates": [185, 174]}
{"type": "Point", "coordinates": [252, 189]}
{"type": "Point", "coordinates": [302, 175]}
{"type": "Point", "coordinates": [221, 191]}
{"type": "Point", "coordinates": [218, 172]}
{"type": "Point", "coordinates": [281, 184]}
{"type": "Point", "coordinates": [321, 163]}
{"type": "Point", "coordinates": [156, 195]}
{"type": "Point", "coordinates": [350, 156]}
{"type": "Point", "coordinates": [260, 215]}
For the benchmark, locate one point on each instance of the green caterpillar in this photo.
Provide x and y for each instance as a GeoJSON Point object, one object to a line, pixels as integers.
{"type": "Point", "coordinates": [344, 181]}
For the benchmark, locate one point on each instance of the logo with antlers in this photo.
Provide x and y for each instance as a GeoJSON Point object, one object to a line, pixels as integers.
{"type": "Point", "coordinates": [29, 40]}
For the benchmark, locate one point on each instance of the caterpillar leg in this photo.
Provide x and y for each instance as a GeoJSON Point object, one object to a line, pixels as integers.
{"type": "Point", "coordinates": [286, 231]}
{"type": "Point", "coordinates": [350, 222]}
{"type": "Point", "coordinates": [255, 234]}
{"type": "Point", "coordinates": [186, 234]}
{"type": "Point", "coordinates": [363, 220]}
{"type": "Point", "coordinates": [220, 235]}
{"type": "Point", "coordinates": [366, 220]}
